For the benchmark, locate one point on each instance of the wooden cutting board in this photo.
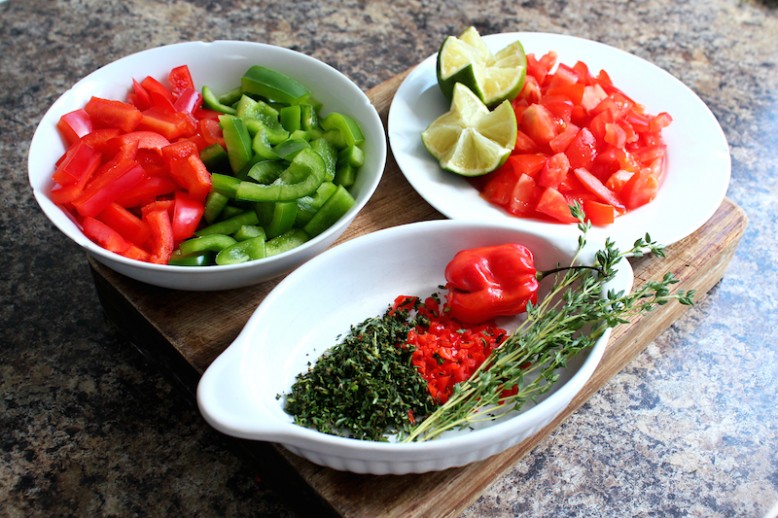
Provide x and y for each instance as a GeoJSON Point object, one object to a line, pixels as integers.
{"type": "Point", "coordinates": [183, 332]}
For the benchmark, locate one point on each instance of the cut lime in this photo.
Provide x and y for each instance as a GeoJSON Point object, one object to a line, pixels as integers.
{"type": "Point", "coordinates": [470, 140]}
{"type": "Point", "coordinates": [492, 77]}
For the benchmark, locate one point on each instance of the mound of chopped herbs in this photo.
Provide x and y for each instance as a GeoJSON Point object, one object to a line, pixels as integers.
{"type": "Point", "coordinates": [364, 387]}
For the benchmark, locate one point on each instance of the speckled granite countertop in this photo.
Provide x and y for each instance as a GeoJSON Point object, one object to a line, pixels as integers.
{"type": "Point", "coordinates": [687, 429]}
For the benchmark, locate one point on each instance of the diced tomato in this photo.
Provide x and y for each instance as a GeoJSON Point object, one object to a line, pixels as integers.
{"type": "Point", "coordinates": [524, 196]}
{"type": "Point", "coordinates": [499, 184]}
{"type": "Point", "coordinates": [582, 150]}
{"type": "Point", "coordinates": [538, 123]}
{"type": "Point", "coordinates": [554, 170]}
{"type": "Point", "coordinates": [553, 204]}
{"type": "Point", "coordinates": [211, 131]}
{"type": "Point", "coordinates": [618, 180]}
{"type": "Point", "coordinates": [107, 113]}
{"type": "Point", "coordinates": [596, 187]}
{"type": "Point", "coordinates": [599, 214]}
{"type": "Point", "coordinates": [74, 125]}
{"type": "Point", "coordinates": [639, 190]}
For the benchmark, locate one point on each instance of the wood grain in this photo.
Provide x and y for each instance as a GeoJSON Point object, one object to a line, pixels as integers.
{"type": "Point", "coordinates": [183, 333]}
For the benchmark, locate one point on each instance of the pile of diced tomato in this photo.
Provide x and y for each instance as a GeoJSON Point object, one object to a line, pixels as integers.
{"type": "Point", "coordinates": [580, 139]}
{"type": "Point", "coordinates": [446, 351]}
{"type": "Point", "coordinates": [131, 175]}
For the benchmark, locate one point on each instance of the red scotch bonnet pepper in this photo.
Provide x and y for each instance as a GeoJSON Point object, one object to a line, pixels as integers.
{"type": "Point", "coordinates": [492, 281]}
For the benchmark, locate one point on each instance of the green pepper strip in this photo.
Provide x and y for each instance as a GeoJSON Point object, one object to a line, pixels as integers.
{"type": "Point", "coordinates": [230, 225]}
{"type": "Point", "coordinates": [211, 101]}
{"type": "Point", "coordinates": [210, 243]}
{"type": "Point", "coordinates": [242, 251]}
{"type": "Point", "coordinates": [303, 176]}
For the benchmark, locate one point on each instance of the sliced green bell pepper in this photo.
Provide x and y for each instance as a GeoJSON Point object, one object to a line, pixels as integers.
{"type": "Point", "coordinates": [242, 251]}
{"type": "Point", "coordinates": [303, 176]}
{"type": "Point", "coordinates": [273, 85]}
{"type": "Point", "coordinates": [237, 140]}
{"type": "Point", "coordinates": [230, 225]}
{"type": "Point", "coordinates": [333, 209]}
{"type": "Point", "coordinates": [285, 242]}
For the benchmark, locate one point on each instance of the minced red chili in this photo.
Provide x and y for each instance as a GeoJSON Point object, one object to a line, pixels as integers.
{"type": "Point", "coordinates": [446, 351]}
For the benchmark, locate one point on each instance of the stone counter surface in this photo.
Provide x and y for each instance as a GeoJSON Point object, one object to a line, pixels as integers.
{"type": "Point", "coordinates": [87, 428]}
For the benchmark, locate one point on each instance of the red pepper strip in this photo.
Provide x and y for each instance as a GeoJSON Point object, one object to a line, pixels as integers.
{"type": "Point", "coordinates": [78, 166]}
{"type": "Point", "coordinates": [74, 125]}
{"type": "Point", "coordinates": [180, 79]}
{"type": "Point", "coordinates": [104, 235]}
{"type": "Point", "coordinates": [187, 213]}
{"type": "Point", "coordinates": [130, 226]}
{"type": "Point", "coordinates": [107, 113]}
{"type": "Point", "coordinates": [488, 282]}
{"type": "Point", "coordinates": [162, 243]}
{"type": "Point", "coordinates": [125, 176]}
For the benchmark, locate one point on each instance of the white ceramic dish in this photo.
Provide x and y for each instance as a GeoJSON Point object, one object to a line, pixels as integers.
{"type": "Point", "coordinates": [355, 280]}
{"type": "Point", "coordinates": [698, 155]}
{"type": "Point", "coordinates": [219, 65]}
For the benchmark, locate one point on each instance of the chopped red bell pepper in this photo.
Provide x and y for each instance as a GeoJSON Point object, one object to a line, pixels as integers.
{"type": "Point", "coordinates": [74, 125]}
{"type": "Point", "coordinates": [130, 226]}
{"type": "Point", "coordinates": [161, 241]}
{"type": "Point", "coordinates": [187, 213]}
{"type": "Point", "coordinates": [108, 113]}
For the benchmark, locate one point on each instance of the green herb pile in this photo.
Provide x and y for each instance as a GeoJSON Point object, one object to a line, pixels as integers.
{"type": "Point", "coordinates": [364, 387]}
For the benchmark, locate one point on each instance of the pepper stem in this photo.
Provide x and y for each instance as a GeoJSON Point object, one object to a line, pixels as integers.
{"type": "Point", "coordinates": [541, 275]}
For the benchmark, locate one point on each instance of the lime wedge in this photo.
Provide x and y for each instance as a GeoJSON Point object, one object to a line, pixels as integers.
{"type": "Point", "coordinates": [492, 77]}
{"type": "Point", "coordinates": [470, 140]}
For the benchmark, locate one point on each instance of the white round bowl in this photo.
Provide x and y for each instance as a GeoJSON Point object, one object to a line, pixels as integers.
{"type": "Point", "coordinates": [219, 65]}
{"type": "Point", "coordinates": [312, 306]}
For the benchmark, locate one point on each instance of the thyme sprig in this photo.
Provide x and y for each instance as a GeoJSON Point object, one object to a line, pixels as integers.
{"type": "Point", "coordinates": [569, 319]}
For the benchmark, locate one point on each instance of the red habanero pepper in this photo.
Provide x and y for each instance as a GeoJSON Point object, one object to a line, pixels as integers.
{"type": "Point", "coordinates": [487, 282]}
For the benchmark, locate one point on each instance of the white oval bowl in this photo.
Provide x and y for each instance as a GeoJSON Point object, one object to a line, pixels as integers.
{"type": "Point", "coordinates": [312, 306]}
{"type": "Point", "coordinates": [219, 65]}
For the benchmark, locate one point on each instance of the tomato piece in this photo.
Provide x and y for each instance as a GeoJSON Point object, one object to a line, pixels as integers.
{"type": "Point", "coordinates": [499, 184]}
{"type": "Point", "coordinates": [582, 150]}
{"type": "Point", "coordinates": [599, 214]}
{"type": "Point", "coordinates": [639, 190]}
{"type": "Point", "coordinates": [187, 213]}
{"type": "Point", "coordinates": [211, 131]}
{"type": "Point", "coordinates": [560, 143]}
{"type": "Point", "coordinates": [524, 144]}
{"type": "Point", "coordinates": [180, 80]}
{"type": "Point", "coordinates": [74, 125]}
{"type": "Point", "coordinates": [108, 113]}
{"type": "Point", "coordinates": [527, 163]}
{"type": "Point", "coordinates": [538, 123]}
{"type": "Point", "coordinates": [524, 196]}
{"type": "Point", "coordinates": [104, 235]}
{"type": "Point", "coordinates": [618, 180]}
{"type": "Point", "coordinates": [540, 68]}
{"type": "Point", "coordinates": [131, 227]}
{"type": "Point", "coordinates": [596, 187]}
{"type": "Point", "coordinates": [554, 170]}
{"type": "Point", "coordinates": [553, 204]}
